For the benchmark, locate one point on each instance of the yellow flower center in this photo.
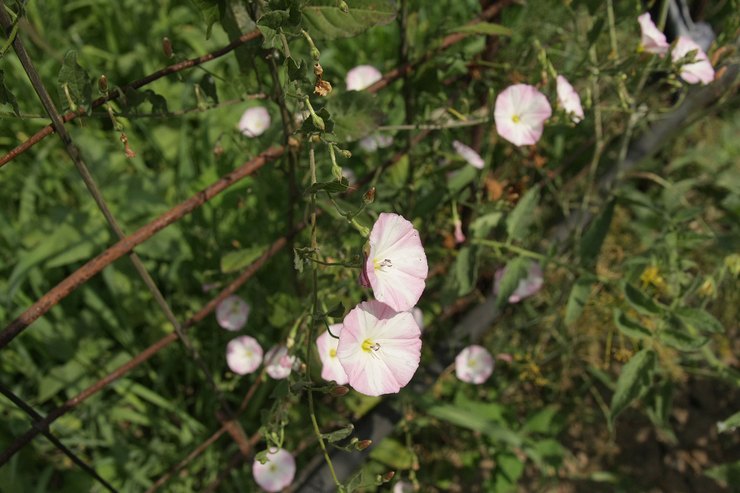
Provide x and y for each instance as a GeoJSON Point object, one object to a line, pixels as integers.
{"type": "Point", "coordinates": [380, 264]}
{"type": "Point", "coordinates": [368, 345]}
{"type": "Point", "coordinates": [333, 353]}
{"type": "Point", "coordinates": [516, 119]}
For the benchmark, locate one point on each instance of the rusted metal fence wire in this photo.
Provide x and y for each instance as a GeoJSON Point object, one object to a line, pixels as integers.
{"type": "Point", "coordinates": [126, 244]}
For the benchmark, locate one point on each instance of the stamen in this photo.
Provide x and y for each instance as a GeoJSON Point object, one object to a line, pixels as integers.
{"type": "Point", "coordinates": [515, 119]}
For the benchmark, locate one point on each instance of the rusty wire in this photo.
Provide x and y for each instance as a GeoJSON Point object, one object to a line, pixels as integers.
{"type": "Point", "coordinates": [126, 244]}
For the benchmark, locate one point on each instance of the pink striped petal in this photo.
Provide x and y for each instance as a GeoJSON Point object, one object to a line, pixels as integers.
{"type": "Point", "coordinates": [327, 346]}
{"type": "Point", "coordinates": [520, 113]}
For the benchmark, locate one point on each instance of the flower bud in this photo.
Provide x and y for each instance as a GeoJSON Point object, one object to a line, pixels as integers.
{"type": "Point", "coordinates": [388, 476]}
{"type": "Point", "coordinates": [369, 196]}
{"type": "Point", "coordinates": [167, 47]}
{"type": "Point", "coordinates": [339, 391]}
{"type": "Point", "coordinates": [344, 7]}
{"type": "Point", "coordinates": [103, 83]}
{"type": "Point", "coordinates": [363, 444]}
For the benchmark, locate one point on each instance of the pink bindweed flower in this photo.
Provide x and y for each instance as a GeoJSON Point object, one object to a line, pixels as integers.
{"type": "Point", "coordinates": [243, 355]}
{"type": "Point", "coordinates": [459, 235]}
{"type": "Point", "coordinates": [254, 121]}
{"type": "Point", "coordinates": [527, 287]}
{"type": "Point", "coordinates": [700, 70]}
{"type": "Point", "coordinates": [275, 474]}
{"type": "Point", "coordinates": [278, 363]}
{"type": "Point", "coordinates": [468, 154]}
{"type": "Point", "coordinates": [376, 141]}
{"type": "Point", "coordinates": [362, 77]}
{"type": "Point", "coordinates": [569, 99]}
{"type": "Point", "coordinates": [520, 114]}
{"type": "Point", "coordinates": [379, 348]}
{"type": "Point", "coordinates": [652, 39]}
{"type": "Point", "coordinates": [327, 345]}
{"type": "Point", "coordinates": [232, 313]}
{"type": "Point", "coordinates": [397, 265]}
{"type": "Point", "coordinates": [474, 364]}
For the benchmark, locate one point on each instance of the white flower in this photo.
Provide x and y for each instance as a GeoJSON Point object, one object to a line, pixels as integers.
{"type": "Point", "coordinates": [520, 114]}
{"type": "Point", "coordinates": [254, 121]}
{"type": "Point", "coordinates": [275, 474]}
{"type": "Point", "coordinates": [327, 345]}
{"type": "Point", "coordinates": [569, 99]}
{"type": "Point", "coordinates": [232, 313]}
{"type": "Point", "coordinates": [278, 364]}
{"type": "Point", "coordinates": [700, 70]}
{"type": "Point", "coordinates": [468, 154]}
{"type": "Point", "coordinates": [243, 355]}
{"type": "Point", "coordinates": [362, 77]}
{"type": "Point", "coordinates": [474, 364]}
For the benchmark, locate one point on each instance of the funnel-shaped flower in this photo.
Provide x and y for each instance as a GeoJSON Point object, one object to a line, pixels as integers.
{"type": "Point", "coordinates": [362, 77]}
{"type": "Point", "coordinates": [278, 364]}
{"type": "Point", "coordinates": [459, 235]}
{"type": "Point", "coordinates": [652, 39]}
{"type": "Point", "coordinates": [397, 265]}
{"type": "Point", "coordinates": [700, 70]}
{"type": "Point", "coordinates": [520, 114]}
{"type": "Point", "coordinates": [232, 313]}
{"type": "Point", "coordinates": [527, 287]}
{"type": "Point", "coordinates": [254, 121]}
{"type": "Point", "coordinates": [327, 345]}
{"type": "Point", "coordinates": [379, 348]}
{"type": "Point", "coordinates": [243, 355]}
{"type": "Point", "coordinates": [275, 474]}
{"type": "Point", "coordinates": [474, 364]}
{"type": "Point", "coordinates": [468, 154]}
{"type": "Point", "coordinates": [569, 99]}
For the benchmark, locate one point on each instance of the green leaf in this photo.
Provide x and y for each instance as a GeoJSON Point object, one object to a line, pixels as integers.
{"type": "Point", "coordinates": [464, 418]}
{"type": "Point", "coordinates": [466, 269]}
{"type": "Point", "coordinates": [208, 86]}
{"type": "Point", "coordinates": [75, 87]}
{"type": "Point", "coordinates": [728, 473]}
{"type": "Point", "coordinates": [297, 71]}
{"type": "Point", "coordinates": [339, 434]}
{"type": "Point", "coordinates": [519, 220]}
{"type": "Point", "coordinates": [577, 300]}
{"type": "Point", "coordinates": [629, 327]}
{"type": "Point", "coordinates": [393, 454]}
{"type": "Point", "coordinates": [700, 320]}
{"type": "Point", "coordinates": [639, 301]}
{"type": "Point", "coordinates": [7, 97]}
{"type": "Point", "coordinates": [485, 28]}
{"type": "Point", "coordinates": [239, 259]}
{"type": "Point", "coordinates": [593, 238]}
{"type": "Point", "coordinates": [681, 340]}
{"type": "Point", "coordinates": [634, 379]}
{"type": "Point", "coordinates": [516, 270]}
{"type": "Point", "coordinates": [730, 424]}
{"type": "Point", "coordinates": [356, 115]}
{"type": "Point", "coordinates": [324, 19]}
{"type": "Point", "coordinates": [483, 225]}
{"type": "Point", "coordinates": [327, 186]}
{"type": "Point", "coordinates": [542, 421]}
{"type": "Point", "coordinates": [462, 179]}
{"type": "Point", "coordinates": [210, 11]}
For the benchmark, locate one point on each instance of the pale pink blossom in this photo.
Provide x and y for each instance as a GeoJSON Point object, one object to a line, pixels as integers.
{"type": "Point", "coordinates": [397, 265]}
{"type": "Point", "coordinates": [379, 348]}
{"type": "Point", "coordinates": [652, 39]}
{"type": "Point", "coordinates": [232, 313]}
{"type": "Point", "coordinates": [376, 141]}
{"type": "Point", "coordinates": [327, 345]}
{"type": "Point", "coordinates": [505, 357]}
{"type": "Point", "coordinates": [527, 287]}
{"type": "Point", "coordinates": [700, 70]}
{"type": "Point", "coordinates": [468, 154]}
{"type": "Point", "coordinates": [278, 363]}
{"type": "Point", "coordinates": [474, 364]}
{"type": "Point", "coordinates": [520, 114]}
{"type": "Point", "coordinates": [362, 77]}
{"type": "Point", "coordinates": [275, 474]}
{"type": "Point", "coordinates": [569, 99]}
{"type": "Point", "coordinates": [243, 355]}
{"type": "Point", "coordinates": [254, 121]}
{"type": "Point", "coordinates": [349, 175]}
{"type": "Point", "coordinates": [459, 235]}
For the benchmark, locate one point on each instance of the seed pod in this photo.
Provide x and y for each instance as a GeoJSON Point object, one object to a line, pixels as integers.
{"type": "Point", "coordinates": [103, 83]}
{"type": "Point", "coordinates": [167, 47]}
